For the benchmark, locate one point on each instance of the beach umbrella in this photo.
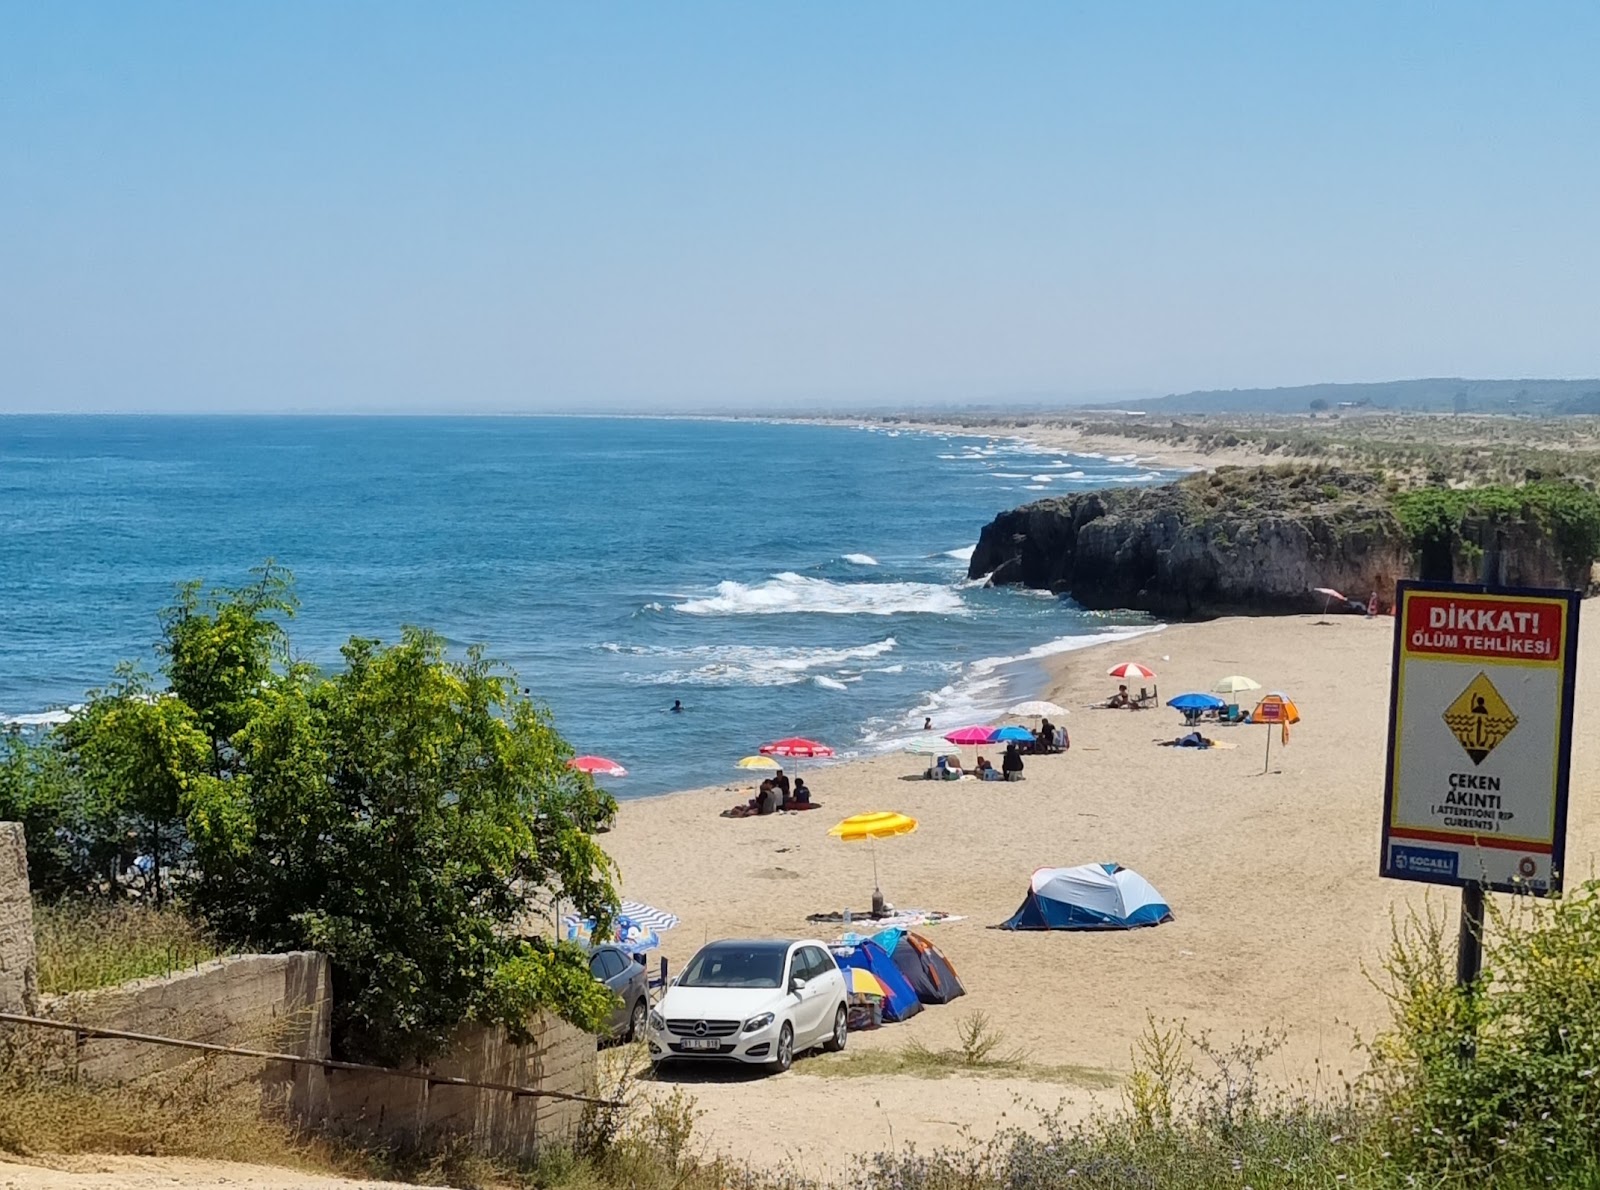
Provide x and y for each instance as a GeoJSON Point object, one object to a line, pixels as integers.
{"type": "Point", "coordinates": [872, 827]}
{"type": "Point", "coordinates": [1329, 595]}
{"type": "Point", "coordinates": [1196, 702]}
{"type": "Point", "coordinates": [865, 983]}
{"type": "Point", "coordinates": [757, 762]}
{"type": "Point", "coordinates": [637, 926]}
{"type": "Point", "coordinates": [922, 746]}
{"type": "Point", "coordinates": [970, 736]}
{"type": "Point", "coordinates": [1276, 709]}
{"type": "Point", "coordinates": [1234, 684]}
{"type": "Point", "coordinates": [1037, 709]}
{"type": "Point", "coordinates": [1131, 671]}
{"type": "Point", "coordinates": [597, 766]}
{"type": "Point", "coordinates": [880, 824]}
{"type": "Point", "coordinates": [796, 746]}
{"type": "Point", "coordinates": [1008, 735]}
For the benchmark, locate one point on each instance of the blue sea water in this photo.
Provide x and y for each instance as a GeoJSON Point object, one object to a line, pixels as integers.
{"type": "Point", "coordinates": [779, 579]}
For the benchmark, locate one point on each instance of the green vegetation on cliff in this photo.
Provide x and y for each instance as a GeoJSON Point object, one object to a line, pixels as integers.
{"type": "Point", "coordinates": [1460, 518]}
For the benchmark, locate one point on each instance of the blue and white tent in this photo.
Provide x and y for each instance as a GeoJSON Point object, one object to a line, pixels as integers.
{"type": "Point", "coordinates": [1089, 897]}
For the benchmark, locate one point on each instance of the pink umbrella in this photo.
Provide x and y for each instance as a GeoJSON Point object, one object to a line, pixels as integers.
{"type": "Point", "coordinates": [1131, 669]}
{"type": "Point", "coordinates": [597, 765]}
{"type": "Point", "coordinates": [1330, 595]}
{"type": "Point", "coordinates": [970, 736]}
{"type": "Point", "coordinates": [796, 746]}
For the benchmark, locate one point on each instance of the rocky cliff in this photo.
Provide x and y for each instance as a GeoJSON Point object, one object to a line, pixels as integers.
{"type": "Point", "coordinates": [1254, 540]}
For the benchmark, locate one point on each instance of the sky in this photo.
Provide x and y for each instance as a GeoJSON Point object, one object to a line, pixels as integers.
{"type": "Point", "coordinates": [473, 207]}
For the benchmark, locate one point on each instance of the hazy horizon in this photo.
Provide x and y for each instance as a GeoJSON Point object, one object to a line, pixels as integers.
{"type": "Point", "coordinates": [723, 208]}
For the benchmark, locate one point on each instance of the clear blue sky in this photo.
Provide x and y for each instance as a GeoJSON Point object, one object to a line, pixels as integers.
{"type": "Point", "coordinates": [350, 206]}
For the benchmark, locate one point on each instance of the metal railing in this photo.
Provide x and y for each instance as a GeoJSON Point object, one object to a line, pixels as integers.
{"type": "Point", "coordinates": [82, 1032]}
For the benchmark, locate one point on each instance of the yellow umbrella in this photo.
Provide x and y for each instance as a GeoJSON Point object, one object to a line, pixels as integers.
{"type": "Point", "coordinates": [865, 983]}
{"type": "Point", "coordinates": [1234, 684]}
{"type": "Point", "coordinates": [880, 824]}
{"type": "Point", "coordinates": [757, 762]}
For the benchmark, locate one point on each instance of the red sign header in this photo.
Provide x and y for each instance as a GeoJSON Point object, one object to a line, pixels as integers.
{"type": "Point", "coordinates": [1484, 626]}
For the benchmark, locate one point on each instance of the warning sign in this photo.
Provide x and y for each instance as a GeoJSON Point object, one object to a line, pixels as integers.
{"type": "Point", "coordinates": [1480, 736]}
{"type": "Point", "coordinates": [1480, 718]}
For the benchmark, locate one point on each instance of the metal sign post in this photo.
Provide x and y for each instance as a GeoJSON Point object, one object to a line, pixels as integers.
{"type": "Point", "coordinates": [1480, 744]}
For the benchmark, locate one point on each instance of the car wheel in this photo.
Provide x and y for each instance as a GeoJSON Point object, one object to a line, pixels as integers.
{"type": "Point", "coordinates": [636, 1021]}
{"type": "Point", "coordinates": [841, 1030]}
{"type": "Point", "coordinates": [783, 1056]}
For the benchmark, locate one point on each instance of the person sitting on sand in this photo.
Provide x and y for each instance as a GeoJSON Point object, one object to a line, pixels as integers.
{"type": "Point", "coordinates": [986, 771]}
{"type": "Point", "coordinates": [1011, 763]}
{"type": "Point", "coordinates": [802, 795]}
{"type": "Point", "coordinates": [782, 782]}
{"type": "Point", "coordinates": [1120, 698]}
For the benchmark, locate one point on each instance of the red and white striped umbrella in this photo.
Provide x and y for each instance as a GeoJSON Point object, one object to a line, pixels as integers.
{"type": "Point", "coordinates": [1131, 670]}
{"type": "Point", "coordinates": [796, 746]}
{"type": "Point", "coordinates": [597, 766]}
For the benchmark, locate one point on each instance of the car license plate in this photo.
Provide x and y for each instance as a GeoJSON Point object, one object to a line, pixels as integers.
{"type": "Point", "coordinates": [701, 1043]}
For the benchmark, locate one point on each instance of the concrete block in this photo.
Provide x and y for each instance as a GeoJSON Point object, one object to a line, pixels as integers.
{"type": "Point", "coordinates": [19, 969]}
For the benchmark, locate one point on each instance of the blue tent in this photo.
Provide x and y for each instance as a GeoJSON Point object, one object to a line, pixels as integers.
{"type": "Point", "coordinates": [902, 1001]}
{"type": "Point", "coordinates": [1089, 897]}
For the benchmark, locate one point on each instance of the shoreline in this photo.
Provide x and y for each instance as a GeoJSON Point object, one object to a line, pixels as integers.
{"type": "Point", "coordinates": [1054, 432]}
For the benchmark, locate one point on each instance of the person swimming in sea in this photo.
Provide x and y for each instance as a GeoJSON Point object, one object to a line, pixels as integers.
{"type": "Point", "coordinates": [677, 706]}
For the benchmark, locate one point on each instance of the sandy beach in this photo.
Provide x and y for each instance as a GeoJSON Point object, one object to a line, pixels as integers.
{"type": "Point", "coordinates": [1056, 432]}
{"type": "Point", "coordinates": [1272, 878]}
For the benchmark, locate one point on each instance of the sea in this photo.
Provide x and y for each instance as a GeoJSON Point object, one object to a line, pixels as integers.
{"type": "Point", "coordinates": [779, 579]}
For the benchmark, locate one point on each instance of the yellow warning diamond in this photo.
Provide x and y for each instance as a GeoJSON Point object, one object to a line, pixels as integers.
{"type": "Point", "coordinates": [1480, 718]}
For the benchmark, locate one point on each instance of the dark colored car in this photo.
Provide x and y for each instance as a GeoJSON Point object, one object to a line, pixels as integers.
{"type": "Point", "coordinates": [615, 968]}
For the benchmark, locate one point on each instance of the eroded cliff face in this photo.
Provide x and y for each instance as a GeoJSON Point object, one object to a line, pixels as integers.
{"type": "Point", "coordinates": [1237, 540]}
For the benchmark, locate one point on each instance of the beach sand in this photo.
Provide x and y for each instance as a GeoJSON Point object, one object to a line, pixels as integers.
{"type": "Point", "coordinates": [1272, 878]}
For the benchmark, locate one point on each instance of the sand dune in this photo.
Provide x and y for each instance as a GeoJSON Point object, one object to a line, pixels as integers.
{"type": "Point", "coordinates": [1272, 877]}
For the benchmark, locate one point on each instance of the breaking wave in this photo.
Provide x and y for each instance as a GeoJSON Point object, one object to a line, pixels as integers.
{"type": "Point", "coordinates": [860, 559]}
{"type": "Point", "coordinates": [789, 593]}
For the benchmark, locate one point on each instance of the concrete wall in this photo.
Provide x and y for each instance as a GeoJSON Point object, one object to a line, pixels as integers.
{"type": "Point", "coordinates": [19, 977]}
{"type": "Point", "coordinates": [283, 1003]}
{"type": "Point", "coordinates": [280, 1002]}
{"type": "Point", "coordinates": [410, 1113]}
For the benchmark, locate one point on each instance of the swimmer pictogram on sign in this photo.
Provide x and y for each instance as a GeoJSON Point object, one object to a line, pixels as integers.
{"type": "Point", "coordinates": [1480, 718]}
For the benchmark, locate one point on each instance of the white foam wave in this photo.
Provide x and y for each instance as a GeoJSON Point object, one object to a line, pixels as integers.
{"type": "Point", "coordinates": [41, 718]}
{"type": "Point", "coordinates": [828, 683]}
{"type": "Point", "coordinates": [1062, 644]}
{"type": "Point", "coordinates": [860, 559]}
{"type": "Point", "coordinates": [964, 554]}
{"type": "Point", "coordinates": [789, 593]}
{"type": "Point", "coordinates": [1041, 478]}
{"type": "Point", "coordinates": [742, 665]}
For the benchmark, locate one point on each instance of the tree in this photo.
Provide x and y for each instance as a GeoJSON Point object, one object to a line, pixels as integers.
{"type": "Point", "coordinates": [142, 753]}
{"type": "Point", "coordinates": [405, 817]}
{"type": "Point", "coordinates": [1319, 405]}
{"type": "Point", "coordinates": [411, 816]}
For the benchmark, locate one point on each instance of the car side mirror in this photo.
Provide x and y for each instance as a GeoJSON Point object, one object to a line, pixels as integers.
{"type": "Point", "coordinates": [797, 985]}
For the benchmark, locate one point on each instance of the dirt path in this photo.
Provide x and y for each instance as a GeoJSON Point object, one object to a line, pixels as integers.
{"type": "Point", "coordinates": [167, 1173]}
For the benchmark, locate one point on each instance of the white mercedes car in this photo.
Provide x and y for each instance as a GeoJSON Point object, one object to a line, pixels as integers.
{"type": "Point", "coordinates": [759, 1002]}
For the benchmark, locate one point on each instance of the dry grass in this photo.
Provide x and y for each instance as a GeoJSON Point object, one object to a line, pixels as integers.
{"type": "Point", "coordinates": [88, 945]}
{"type": "Point", "coordinates": [977, 1052]}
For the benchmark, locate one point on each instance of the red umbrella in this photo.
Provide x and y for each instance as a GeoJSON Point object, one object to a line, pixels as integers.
{"type": "Point", "coordinates": [796, 746]}
{"type": "Point", "coordinates": [1131, 669]}
{"type": "Point", "coordinates": [597, 765]}
{"type": "Point", "coordinates": [969, 736]}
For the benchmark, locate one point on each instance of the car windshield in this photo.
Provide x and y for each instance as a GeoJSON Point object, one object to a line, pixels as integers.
{"type": "Point", "coordinates": [735, 965]}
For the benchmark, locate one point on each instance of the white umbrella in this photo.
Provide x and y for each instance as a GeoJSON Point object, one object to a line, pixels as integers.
{"type": "Point", "coordinates": [1234, 683]}
{"type": "Point", "coordinates": [926, 747]}
{"type": "Point", "coordinates": [1037, 709]}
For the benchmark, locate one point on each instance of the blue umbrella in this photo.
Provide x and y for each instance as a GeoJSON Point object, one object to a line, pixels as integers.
{"type": "Point", "coordinates": [1197, 702]}
{"type": "Point", "coordinates": [1007, 735]}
